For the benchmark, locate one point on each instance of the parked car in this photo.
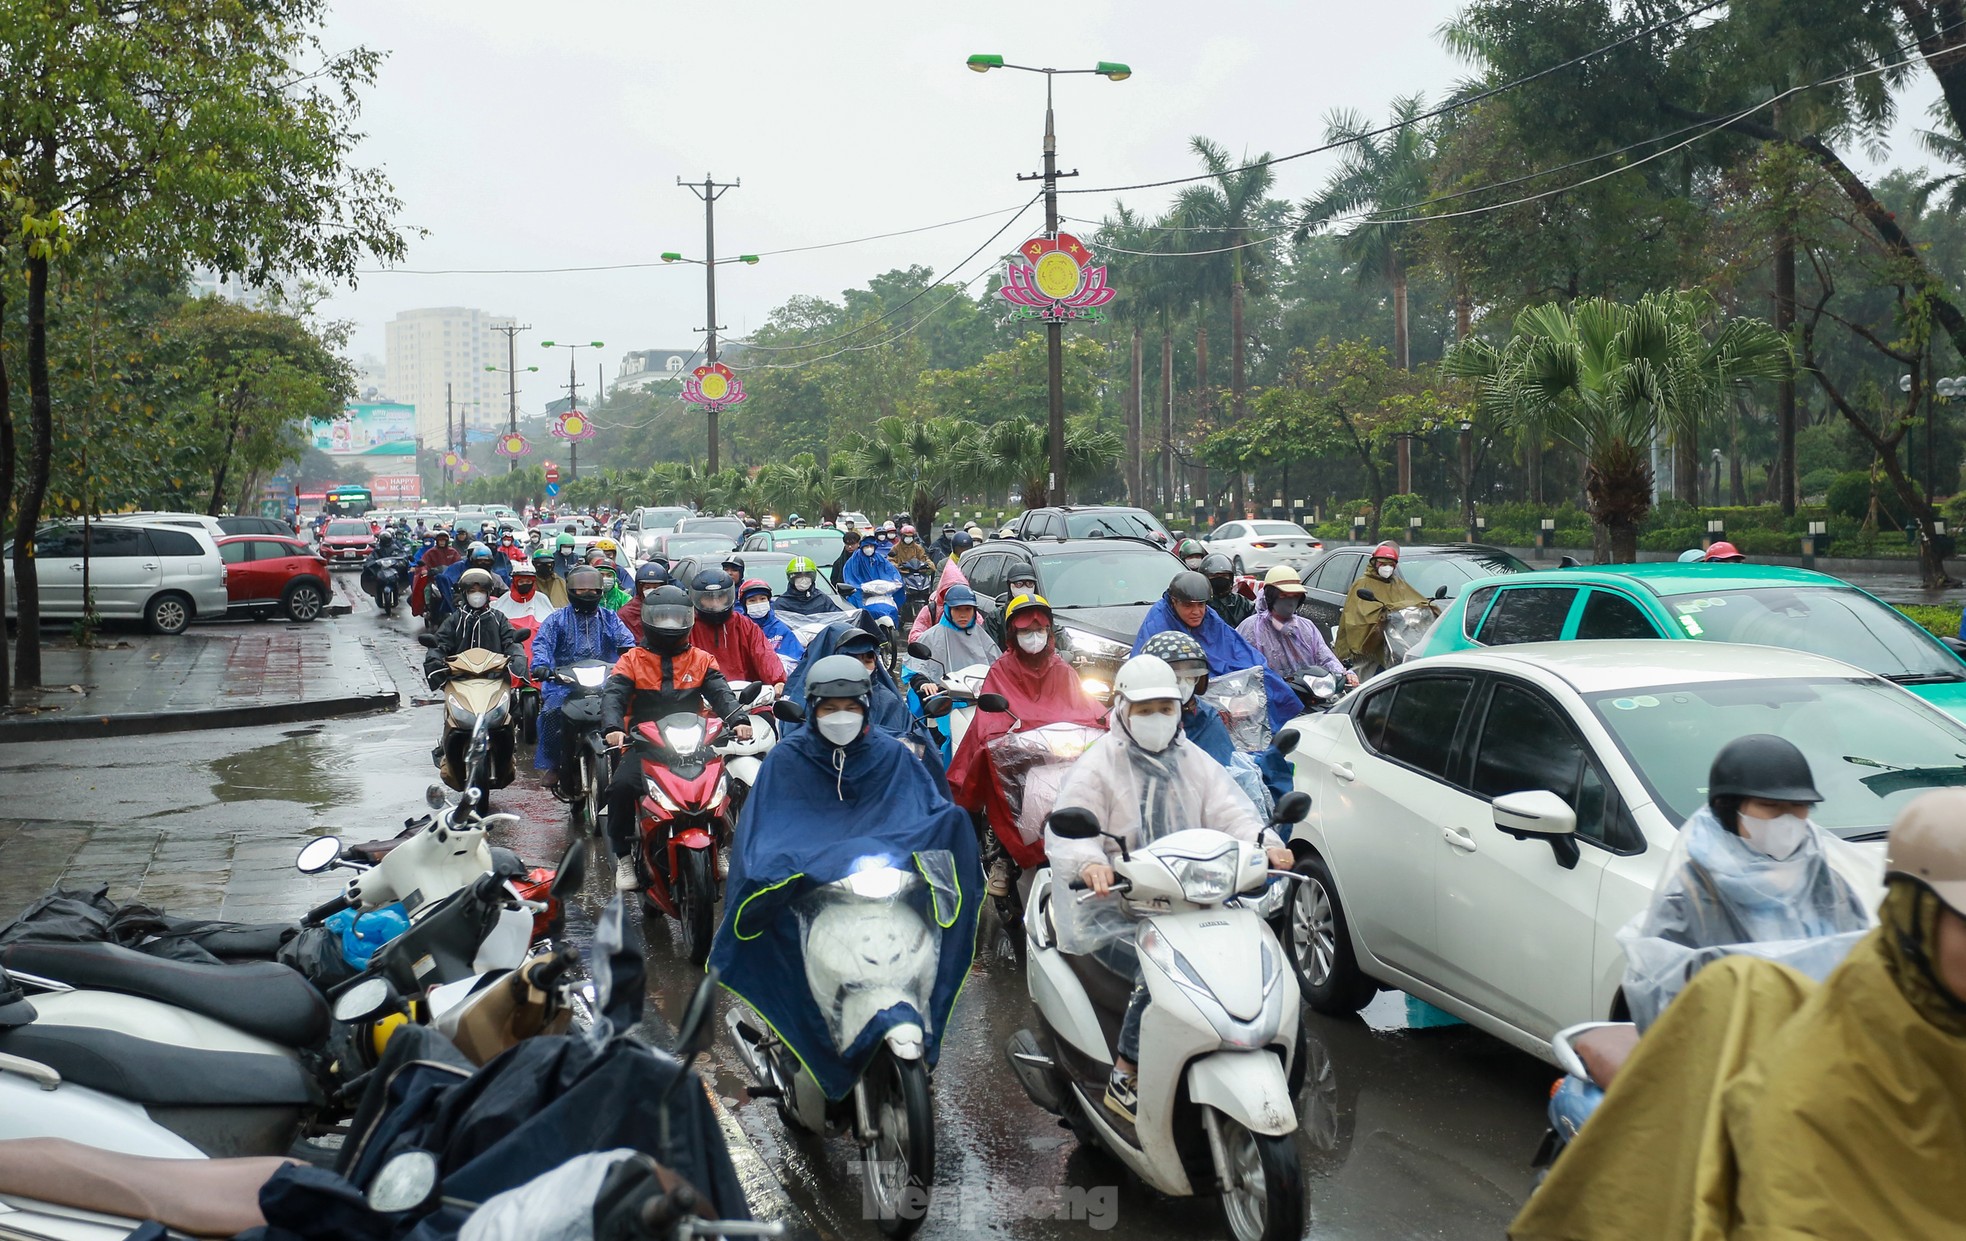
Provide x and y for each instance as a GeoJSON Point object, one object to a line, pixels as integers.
{"type": "Point", "coordinates": [645, 523]}
{"type": "Point", "coordinates": [166, 575]}
{"type": "Point", "coordinates": [1485, 821]}
{"type": "Point", "coordinates": [347, 540]}
{"type": "Point", "coordinates": [822, 543]}
{"type": "Point", "coordinates": [265, 575]}
{"type": "Point", "coordinates": [1427, 568]}
{"type": "Point", "coordinates": [1099, 590]}
{"type": "Point", "coordinates": [673, 547]}
{"type": "Point", "coordinates": [1255, 546]}
{"type": "Point", "coordinates": [214, 526]}
{"type": "Point", "coordinates": [1090, 521]}
{"type": "Point", "coordinates": [854, 520]}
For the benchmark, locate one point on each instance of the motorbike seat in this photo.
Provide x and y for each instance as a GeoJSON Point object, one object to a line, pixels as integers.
{"type": "Point", "coordinates": [263, 998]}
{"type": "Point", "coordinates": [162, 1074]}
{"type": "Point", "coordinates": [199, 1197]}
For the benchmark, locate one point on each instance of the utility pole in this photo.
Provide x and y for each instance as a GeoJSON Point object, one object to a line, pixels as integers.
{"type": "Point", "coordinates": [1054, 332]}
{"type": "Point", "coordinates": [448, 442]}
{"type": "Point", "coordinates": [573, 403]}
{"type": "Point", "coordinates": [710, 191]}
{"type": "Point", "coordinates": [511, 331]}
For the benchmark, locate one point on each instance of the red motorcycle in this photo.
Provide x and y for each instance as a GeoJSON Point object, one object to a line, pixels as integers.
{"type": "Point", "coordinates": [684, 815]}
{"type": "Point", "coordinates": [525, 690]}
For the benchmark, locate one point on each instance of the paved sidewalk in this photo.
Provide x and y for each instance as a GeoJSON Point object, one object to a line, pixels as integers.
{"type": "Point", "coordinates": [219, 676]}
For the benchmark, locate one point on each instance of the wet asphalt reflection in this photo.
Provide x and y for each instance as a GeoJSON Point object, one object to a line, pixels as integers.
{"type": "Point", "coordinates": [1405, 1131]}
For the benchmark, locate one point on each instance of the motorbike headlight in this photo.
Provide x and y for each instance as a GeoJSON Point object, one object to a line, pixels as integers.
{"type": "Point", "coordinates": [497, 715]}
{"type": "Point", "coordinates": [590, 678]}
{"type": "Point", "coordinates": [662, 799]}
{"type": "Point", "coordinates": [875, 883]}
{"type": "Point", "coordinates": [1206, 881]}
{"type": "Point", "coordinates": [1097, 688]}
{"type": "Point", "coordinates": [684, 739]}
{"type": "Point", "coordinates": [461, 716]}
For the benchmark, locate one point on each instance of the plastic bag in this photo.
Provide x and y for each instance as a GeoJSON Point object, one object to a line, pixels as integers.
{"type": "Point", "coordinates": [362, 933]}
{"type": "Point", "coordinates": [1031, 764]}
{"type": "Point", "coordinates": [1244, 702]}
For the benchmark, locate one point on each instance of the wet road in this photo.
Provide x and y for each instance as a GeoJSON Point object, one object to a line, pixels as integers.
{"type": "Point", "coordinates": [1406, 1132]}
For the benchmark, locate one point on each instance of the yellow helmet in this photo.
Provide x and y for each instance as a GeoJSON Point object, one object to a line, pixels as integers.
{"type": "Point", "coordinates": [1026, 603]}
{"type": "Point", "coordinates": [607, 545]}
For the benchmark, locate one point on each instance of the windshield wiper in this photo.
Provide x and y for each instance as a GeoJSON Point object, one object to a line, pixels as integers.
{"type": "Point", "coordinates": [1894, 779]}
{"type": "Point", "coordinates": [1922, 678]}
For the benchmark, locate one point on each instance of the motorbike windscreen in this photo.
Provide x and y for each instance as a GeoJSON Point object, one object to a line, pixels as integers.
{"type": "Point", "coordinates": [937, 867]}
{"type": "Point", "coordinates": [872, 945]}
{"type": "Point", "coordinates": [1244, 702]}
{"type": "Point", "coordinates": [1406, 629]}
{"type": "Point", "coordinates": [1031, 764]}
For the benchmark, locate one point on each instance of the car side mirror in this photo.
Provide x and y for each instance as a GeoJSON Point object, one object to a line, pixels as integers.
{"type": "Point", "coordinates": [1294, 807]}
{"type": "Point", "coordinates": [1076, 823]}
{"type": "Point", "coordinates": [919, 650]}
{"type": "Point", "coordinates": [318, 855]}
{"type": "Point", "coordinates": [1285, 741]}
{"type": "Point", "coordinates": [1440, 592]}
{"type": "Point", "coordinates": [788, 712]}
{"type": "Point", "coordinates": [1956, 645]}
{"type": "Point", "coordinates": [1538, 814]}
{"type": "Point", "coordinates": [408, 1182]}
{"type": "Point", "coordinates": [427, 639]}
{"type": "Point", "coordinates": [937, 706]}
{"type": "Point", "coordinates": [1365, 593]}
{"type": "Point", "coordinates": [992, 702]}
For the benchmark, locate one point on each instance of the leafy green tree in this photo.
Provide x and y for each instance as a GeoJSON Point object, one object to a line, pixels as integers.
{"type": "Point", "coordinates": [916, 458]}
{"type": "Point", "coordinates": [1016, 454]}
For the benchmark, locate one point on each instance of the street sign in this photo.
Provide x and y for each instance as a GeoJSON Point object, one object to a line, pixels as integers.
{"type": "Point", "coordinates": [552, 472]}
{"type": "Point", "coordinates": [552, 489]}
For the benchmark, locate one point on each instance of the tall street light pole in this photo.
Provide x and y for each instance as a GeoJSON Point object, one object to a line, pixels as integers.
{"type": "Point", "coordinates": [1054, 332]}
{"type": "Point", "coordinates": [511, 372]}
{"type": "Point", "coordinates": [573, 395]}
{"type": "Point", "coordinates": [709, 192]}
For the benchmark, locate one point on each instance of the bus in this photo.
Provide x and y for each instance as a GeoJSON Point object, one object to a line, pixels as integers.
{"type": "Point", "coordinates": [349, 501]}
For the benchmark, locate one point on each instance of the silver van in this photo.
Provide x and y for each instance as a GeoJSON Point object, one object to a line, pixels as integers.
{"type": "Point", "coordinates": [167, 575]}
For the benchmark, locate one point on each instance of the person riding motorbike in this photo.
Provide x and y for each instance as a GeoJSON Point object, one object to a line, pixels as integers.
{"type": "Point", "coordinates": [736, 642]}
{"type": "Point", "coordinates": [951, 576]}
{"type": "Point", "coordinates": [1361, 639]}
{"type": "Point", "coordinates": [1223, 599]}
{"type": "Point", "coordinates": [1192, 553]}
{"type": "Point", "coordinates": [734, 568]}
{"type": "Point", "coordinates": [524, 599]}
{"type": "Point", "coordinates": [802, 596]}
{"type": "Point", "coordinates": [610, 552]}
{"type": "Point", "coordinates": [1183, 608]}
{"type": "Point", "coordinates": [581, 630]}
{"type": "Point", "coordinates": [477, 556]}
{"type": "Point", "coordinates": [663, 676]}
{"type": "Point", "coordinates": [439, 555]}
{"type": "Point", "coordinates": [614, 593]}
{"type": "Point", "coordinates": [509, 550]}
{"type": "Point", "coordinates": [564, 556]}
{"type": "Point", "coordinates": [908, 549]}
{"type": "Point", "coordinates": [650, 576]}
{"type": "Point", "coordinates": [1143, 780]}
{"type": "Point", "coordinates": [888, 708]}
{"type": "Point", "coordinates": [944, 542]}
{"type": "Point", "coordinates": [550, 583]}
{"type": "Point", "coordinates": [754, 596]}
{"type": "Point", "coordinates": [958, 640]}
{"type": "Point", "coordinates": [1200, 722]}
{"type": "Point", "coordinates": [849, 552]}
{"type": "Point", "coordinates": [959, 544]}
{"type": "Point", "coordinates": [1020, 581]}
{"type": "Point", "coordinates": [475, 625]}
{"type": "Point", "coordinates": [870, 564]}
{"type": "Point", "coordinates": [1290, 644]}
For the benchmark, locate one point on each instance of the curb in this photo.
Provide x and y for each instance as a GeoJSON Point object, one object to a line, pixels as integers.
{"type": "Point", "coordinates": [764, 1197]}
{"type": "Point", "coordinates": [135, 723]}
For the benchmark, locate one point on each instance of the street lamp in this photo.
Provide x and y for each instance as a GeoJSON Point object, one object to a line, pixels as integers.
{"type": "Point", "coordinates": [1054, 332]}
{"type": "Point", "coordinates": [573, 394]}
{"type": "Point", "coordinates": [709, 191]}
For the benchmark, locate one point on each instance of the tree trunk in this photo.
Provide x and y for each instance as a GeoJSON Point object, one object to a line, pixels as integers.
{"type": "Point", "coordinates": [1533, 470]}
{"type": "Point", "coordinates": [223, 465]}
{"type": "Point", "coordinates": [6, 489]}
{"type": "Point", "coordinates": [1136, 482]}
{"type": "Point", "coordinates": [1402, 344]}
{"type": "Point", "coordinates": [1463, 311]}
{"type": "Point", "coordinates": [1686, 468]}
{"type": "Point", "coordinates": [1737, 483]}
{"type": "Point", "coordinates": [1169, 500]}
{"type": "Point", "coordinates": [40, 416]}
{"type": "Point", "coordinates": [1198, 484]}
{"type": "Point", "coordinates": [1785, 387]}
{"type": "Point", "coordinates": [1237, 355]}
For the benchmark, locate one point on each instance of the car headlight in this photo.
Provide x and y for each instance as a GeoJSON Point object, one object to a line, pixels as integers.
{"type": "Point", "coordinates": [684, 739]}
{"type": "Point", "coordinates": [661, 798]}
{"type": "Point", "coordinates": [1091, 646]}
{"type": "Point", "coordinates": [1206, 881]}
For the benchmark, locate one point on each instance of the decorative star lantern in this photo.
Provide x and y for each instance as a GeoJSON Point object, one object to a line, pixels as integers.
{"type": "Point", "coordinates": [1054, 281]}
{"type": "Point", "coordinates": [512, 444]}
{"type": "Point", "coordinates": [713, 385]}
{"type": "Point", "coordinates": [574, 425]}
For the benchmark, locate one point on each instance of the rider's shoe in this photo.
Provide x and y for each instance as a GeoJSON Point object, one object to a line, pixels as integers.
{"type": "Point", "coordinates": [1000, 880]}
{"type": "Point", "coordinates": [625, 879]}
{"type": "Point", "coordinates": [1122, 1097]}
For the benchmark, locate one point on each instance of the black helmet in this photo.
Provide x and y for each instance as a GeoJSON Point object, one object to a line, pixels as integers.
{"type": "Point", "coordinates": [712, 594]}
{"type": "Point", "coordinates": [651, 574]}
{"type": "Point", "coordinates": [667, 619]}
{"type": "Point", "coordinates": [478, 553]}
{"type": "Point", "coordinates": [1764, 766]}
{"type": "Point", "coordinates": [734, 561]}
{"type": "Point", "coordinates": [960, 541]}
{"type": "Point", "coordinates": [584, 586]}
{"type": "Point", "coordinates": [1189, 586]}
{"type": "Point", "coordinates": [1215, 564]}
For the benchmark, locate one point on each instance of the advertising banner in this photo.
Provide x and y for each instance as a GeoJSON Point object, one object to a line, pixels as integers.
{"type": "Point", "coordinates": [382, 429]}
{"type": "Point", "coordinates": [395, 488]}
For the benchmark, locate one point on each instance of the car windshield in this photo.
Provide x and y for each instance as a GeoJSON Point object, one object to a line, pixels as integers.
{"type": "Point", "coordinates": [700, 524]}
{"type": "Point", "coordinates": [1286, 528]}
{"type": "Point", "coordinates": [677, 546]}
{"type": "Point", "coordinates": [821, 545]}
{"type": "Point", "coordinates": [1835, 621]}
{"type": "Point", "coordinates": [1427, 574]}
{"type": "Point", "coordinates": [773, 575]}
{"type": "Point", "coordinates": [348, 527]}
{"type": "Point", "coordinates": [662, 518]}
{"type": "Point", "coordinates": [1125, 521]}
{"type": "Point", "coordinates": [1871, 747]}
{"type": "Point", "coordinates": [1108, 578]}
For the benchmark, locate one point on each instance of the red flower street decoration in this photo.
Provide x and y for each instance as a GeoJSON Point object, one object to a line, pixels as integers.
{"type": "Point", "coordinates": [713, 385]}
{"type": "Point", "coordinates": [512, 444]}
{"type": "Point", "coordinates": [1056, 283]}
{"type": "Point", "coordinates": [574, 425]}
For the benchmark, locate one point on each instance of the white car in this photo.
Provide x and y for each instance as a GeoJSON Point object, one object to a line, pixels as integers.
{"type": "Point", "coordinates": [1253, 546]}
{"type": "Point", "coordinates": [159, 571]}
{"type": "Point", "coordinates": [1483, 823]}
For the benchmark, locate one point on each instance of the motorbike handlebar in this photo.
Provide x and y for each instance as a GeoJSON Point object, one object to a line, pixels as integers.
{"type": "Point", "coordinates": [1119, 885]}
{"type": "Point", "coordinates": [326, 909]}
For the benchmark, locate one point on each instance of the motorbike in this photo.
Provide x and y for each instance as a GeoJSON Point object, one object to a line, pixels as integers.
{"type": "Point", "coordinates": [917, 588]}
{"type": "Point", "coordinates": [743, 759]}
{"type": "Point", "coordinates": [480, 739]}
{"type": "Point", "coordinates": [1218, 1045]}
{"type": "Point", "coordinates": [1577, 1048]}
{"type": "Point", "coordinates": [593, 765]}
{"type": "Point", "coordinates": [525, 690]}
{"type": "Point", "coordinates": [871, 957]}
{"type": "Point", "coordinates": [384, 578]}
{"type": "Point", "coordinates": [429, 598]}
{"type": "Point", "coordinates": [1404, 629]}
{"type": "Point", "coordinates": [1030, 765]}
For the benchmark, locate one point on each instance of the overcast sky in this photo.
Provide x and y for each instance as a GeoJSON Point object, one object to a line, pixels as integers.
{"type": "Point", "coordinates": [536, 135]}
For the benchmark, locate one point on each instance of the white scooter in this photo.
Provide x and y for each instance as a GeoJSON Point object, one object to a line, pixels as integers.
{"type": "Point", "coordinates": [1217, 1043]}
{"type": "Point", "coordinates": [742, 759]}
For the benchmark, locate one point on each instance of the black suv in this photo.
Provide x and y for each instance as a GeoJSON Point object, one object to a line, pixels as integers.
{"type": "Point", "coordinates": [1328, 580]}
{"type": "Point", "coordinates": [1099, 590]}
{"type": "Point", "coordinates": [1089, 521]}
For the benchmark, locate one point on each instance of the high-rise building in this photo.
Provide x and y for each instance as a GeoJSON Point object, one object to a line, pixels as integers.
{"type": "Point", "coordinates": [427, 349]}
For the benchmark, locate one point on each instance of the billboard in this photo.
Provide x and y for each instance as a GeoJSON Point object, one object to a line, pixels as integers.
{"type": "Point", "coordinates": [395, 488]}
{"type": "Point", "coordinates": [375, 429]}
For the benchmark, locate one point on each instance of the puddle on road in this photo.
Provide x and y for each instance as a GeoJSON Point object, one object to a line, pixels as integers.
{"type": "Point", "coordinates": [312, 770]}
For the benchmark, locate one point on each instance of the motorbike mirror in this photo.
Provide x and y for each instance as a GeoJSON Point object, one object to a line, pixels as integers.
{"type": "Point", "coordinates": [1292, 808]}
{"type": "Point", "coordinates": [1074, 823]}
{"type": "Point", "coordinates": [1285, 741]}
{"type": "Point", "coordinates": [937, 706]}
{"type": "Point", "coordinates": [363, 1000]}
{"type": "Point", "coordinates": [920, 650]}
{"type": "Point", "coordinates": [572, 873]}
{"type": "Point", "coordinates": [992, 702]}
{"type": "Point", "coordinates": [750, 692]}
{"type": "Point", "coordinates": [1568, 562]}
{"type": "Point", "coordinates": [1440, 592]}
{"type": "Point", "coordinates": [1365, 593]}
{"type": "Point", "coordinates": [787, 711]}
{"type": "Point", "coordinates": [427, 639]}
{"type": "Point", "coordinates": [434, 798]}
{"type": "Point", "coordinates": [408, 1182]}
{"type": "Point", "coordinates": [317, 855]}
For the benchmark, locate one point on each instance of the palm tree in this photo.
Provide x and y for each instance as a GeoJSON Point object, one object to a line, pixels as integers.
{"type": "Point", "coordinates": [1608, 379]}
{"type": "Point", "coordinates": [1014, 453]}
{"type": "Point", "coordinates": [803, 485]}
{"type": "Point", "coordinates": [915, 456]}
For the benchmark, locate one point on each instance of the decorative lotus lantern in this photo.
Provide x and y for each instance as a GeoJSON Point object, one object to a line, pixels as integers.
{"type": "Point", "coordinates": [1055, 282]}
{"type": "Point", "coordinates": [574, 426]}
{"type": "Point", "coordinates": [512, 445]}
{"type": "Point", "coordinates": [713, 385]}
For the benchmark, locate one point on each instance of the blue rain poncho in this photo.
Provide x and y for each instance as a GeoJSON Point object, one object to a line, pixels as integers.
{"type": "Point", "coordinates": [1227, 652]}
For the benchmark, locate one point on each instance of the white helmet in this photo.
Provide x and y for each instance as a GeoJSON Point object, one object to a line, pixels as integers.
{"type": "Point", "coordinates": [1145, 678]}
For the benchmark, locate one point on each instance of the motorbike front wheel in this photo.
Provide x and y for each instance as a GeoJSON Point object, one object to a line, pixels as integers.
{"type": "Point", "coordinates": [900, 1153]}
{"type": "Point", "coordinates": [696, 902]}
{"type": "Point", "coordinates": [1262, 1190]}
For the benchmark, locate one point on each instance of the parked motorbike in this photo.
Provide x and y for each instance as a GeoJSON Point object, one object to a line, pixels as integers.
{"type": "Point", "coordinates": [593, 764]}
{"type": "Point", "coordinates": [1217, 1044]}
{"type": "Point", "coordinates": [871, 956]}
{"type": "Point", "coordinates": [384, 578]}
{"type": "Point", "coordinates": [480, 738]}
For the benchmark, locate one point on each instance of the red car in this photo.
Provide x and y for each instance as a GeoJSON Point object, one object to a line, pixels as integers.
{"type": "Point", "coordinates": [265, 574]}
{"type": "Point", "coordinates": [347, 539]}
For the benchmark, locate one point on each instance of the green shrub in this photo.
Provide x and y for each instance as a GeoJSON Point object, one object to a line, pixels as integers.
{"type": "Point", "coordinates": [1399, 509]}
{"type": "Point", "coordinates": [1942, 620]}
{"type": "Point", "coordinates": [1818, 482]}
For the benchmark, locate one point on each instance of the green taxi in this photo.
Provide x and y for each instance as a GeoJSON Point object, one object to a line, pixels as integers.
{"type": "Point", "coordinates": [1761, 604]}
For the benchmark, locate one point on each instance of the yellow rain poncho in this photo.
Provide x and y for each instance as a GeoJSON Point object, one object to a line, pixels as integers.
{"type": "Point", "coordinates": [1359, 633]}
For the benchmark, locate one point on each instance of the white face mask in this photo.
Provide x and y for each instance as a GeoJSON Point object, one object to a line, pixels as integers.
{"type": "Point", "coordinates": [867, 549]}
{"type": "Point", "coordinates": [476, 599]}
{"type": "Point", "coordinates": [1188, 685]}
{"type": "Point", "coordinates": [841, 727]}
{"type": "Point", "coordinates": [757, 609]}
{"type": "Point", "coordinates": [1385, 572]}
{"type": "Point", "coordinates": [1778, 837]}
{"type": "Point", "coordinates": [1031, 641]}
{"type": "Point", "coordinates": [801, 583]}
{"type": "Point", "coordinates": [1154, 733]}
